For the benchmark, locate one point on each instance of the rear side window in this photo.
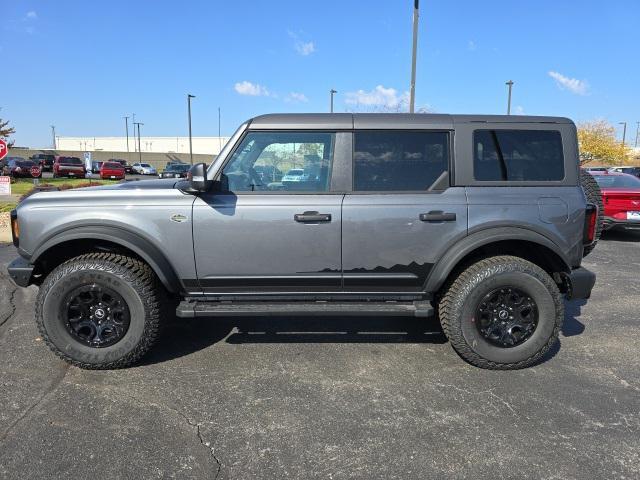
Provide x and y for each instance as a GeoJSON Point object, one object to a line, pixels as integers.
{"type": "Point", "coordinates": [518, 155]}
{"type": "Point", "coordinates": [399, 161]}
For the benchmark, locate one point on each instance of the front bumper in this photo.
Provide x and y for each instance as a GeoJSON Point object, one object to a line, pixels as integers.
{"type": "Point", "coordinates": [20, 271]}
{"type": "Point", "coordinates": [580, 283]}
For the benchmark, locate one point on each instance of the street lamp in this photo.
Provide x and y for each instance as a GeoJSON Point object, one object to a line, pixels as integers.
{"type": "Point", "coordinates": [126, 127]}
{"type": "Point", "coordinates": [637, 131]}
{"type": "Point", "coordinates": [139, 149]}
{"type": "Point", "coordinates": [510, 85]}
{"type": "Point", "coordinates": [412, 94]}
{"type": "Point", "coordinates": [53, 134]}
{"type": "Point", "coordinates": [624, 137]}
{"type": "Point", "coordinates": [189, 97]}
{"type": "Point", "coordinates": [331, 93]}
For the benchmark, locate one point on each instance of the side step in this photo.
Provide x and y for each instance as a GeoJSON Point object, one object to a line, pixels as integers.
{"type": "Point", "coordinates": [194, 308]}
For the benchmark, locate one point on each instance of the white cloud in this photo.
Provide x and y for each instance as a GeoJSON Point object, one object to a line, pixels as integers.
{"type": "Point", "coordinates": [579, 87]}
{"type": "Point", "coordinates": [252, 89]}
{"type": "Point", "coordinates": [31, 15]}
{"type": "Point", "coordinates": [296, 97]}
{"type": "Point", "coordinates": [302, 47]}
{"type": "Point", "coordinates": [471, 45]}
{"type": "Point", "coordinates": [519, 110]}
{"type": "Point", "coordinates": [379, 96]}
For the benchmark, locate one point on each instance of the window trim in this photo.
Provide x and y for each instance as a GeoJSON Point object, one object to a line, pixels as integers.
{"type": "Point", "coordinates": [236, 146]}
{"type": "Point", "coordinates": [508, 182]}
{"type": "Point", "coordinates": [450, 160]}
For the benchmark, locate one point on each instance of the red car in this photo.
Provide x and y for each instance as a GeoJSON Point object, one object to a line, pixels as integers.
{"type": "Point", "coordinates": [621, 199]}
{"type": "Point", "coordinates": [112, 170]}
{"type": "Point", "coordinates": [68, 167]}
{"type": "Point", "coordinates": [19, 167]}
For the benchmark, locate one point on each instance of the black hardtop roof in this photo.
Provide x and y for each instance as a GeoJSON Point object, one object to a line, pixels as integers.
{"type": "Point", "coordinates": [387, 120]}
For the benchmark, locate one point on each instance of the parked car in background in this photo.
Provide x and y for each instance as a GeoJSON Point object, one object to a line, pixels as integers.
{"type": "Point", "coordinates": [95, 166]}
{"type": "Point", "coordinates": [124, 163]}
{"type": "Point", "coordinates": [112, 171]}
{"type": "Point", "coordinates": [19, 167]}
{"type": "Point", "coordinates": [621, 200]}
{"type": "Point", "coordinates": [635, 171]}
{"type": "Point", "coordinates": [295, 175]}
{"type": "Point", "coordinates": [143, 169]}
{"type": "Point", "coordinates": [176, 170]}
{"type": "Point", "coordinates": [68, 167]}
{"type": "Point", "coordinates": [45, 160]}
{"type": "Point", "coordinates": [268, 173]}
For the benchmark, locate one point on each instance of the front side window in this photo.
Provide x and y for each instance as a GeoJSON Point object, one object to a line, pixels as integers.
{"type": "Point", "coordinates": [399, 161]}
{"type": "Point", "coordinates": [518, 155]}
{"type": "Point", "coordinates": [281, 161]}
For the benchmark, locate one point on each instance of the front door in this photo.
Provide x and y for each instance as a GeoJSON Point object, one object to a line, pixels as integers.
{"type": "Point", "coordinates": [402, 213]}
{"type": "Point", "coordinates": [275, 225]}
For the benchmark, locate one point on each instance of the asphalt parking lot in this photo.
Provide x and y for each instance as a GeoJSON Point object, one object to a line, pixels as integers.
{"type": "Point", "coordinates": [331, 398]}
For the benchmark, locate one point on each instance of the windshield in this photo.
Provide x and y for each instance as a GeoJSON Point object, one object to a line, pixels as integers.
{"type": "Point", "coordinates": [112, 165]}
{"type": "Point", "coordinates": [25, 163]}
{"type": "Point", "coordinates": [145, 165]}
{"type": "Point", "coordinates": [71, 161]}
{"type": "Point", "coordinates": [296, 171]}
{"type": "Point", "coordinates": [617, 181]}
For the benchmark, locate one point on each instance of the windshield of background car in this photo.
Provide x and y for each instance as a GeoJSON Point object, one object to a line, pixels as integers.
{"type": "Point", "coordinates": [112, 165]}
{"type": "Point", "coordinates": [71, 161]}
{"type": "Point", "coordinates": [617, 181]}
{"type": "Point", "coordinates": [25, 163]}
{"type": "Point", "coordinates": [145, 165]}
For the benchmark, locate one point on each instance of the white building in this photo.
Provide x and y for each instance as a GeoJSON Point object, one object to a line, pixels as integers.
{"type": "Point", "coordinates": [204, 145]}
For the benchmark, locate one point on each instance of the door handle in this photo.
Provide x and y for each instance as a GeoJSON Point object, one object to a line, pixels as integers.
{"type": "Point", "coordinates": [312, 217]}
{"type": "Point", "coordinates": [438, 216]}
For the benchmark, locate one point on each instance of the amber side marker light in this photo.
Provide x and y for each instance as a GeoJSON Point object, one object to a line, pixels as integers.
{"type": "Point", "coordinates": [15, 228]}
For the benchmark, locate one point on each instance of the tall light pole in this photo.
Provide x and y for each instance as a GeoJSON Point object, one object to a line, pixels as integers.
{"type": "Point", "coordinates": [133, 122]}
{"type": "Point", "coordinates": [126, 128]}
{"type": "Point", "coordinates": [219, 135]}
{"type": "Point", "coordinates": [412, 92]}
{"type": "Point", "coordinates": [510, 85]}
{"type": "Point", "coordinates": [332, 92]}
{"type": "Point", "coordinates": [624, 137]}
{"type": "Point", "coordinates": [189, 97]}
{"type": "Point", "coordinates": [139, 149]}
{"type": "Point", "coordinates": [53, 135]}
{"type": "Point", "coordinates": [637, 131]}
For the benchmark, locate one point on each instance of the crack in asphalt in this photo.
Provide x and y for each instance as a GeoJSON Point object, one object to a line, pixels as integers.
{"type": "Point", "coordinates": [190, 422]}
{"type": "Point", "coordinates": [53, 385]}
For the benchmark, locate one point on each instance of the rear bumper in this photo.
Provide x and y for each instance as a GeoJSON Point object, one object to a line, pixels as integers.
{"type": "Point", "coordinates": [610, 223]}
{"type": "Point", "coordinates": [20, 271]}
{"type": "Point", "coordinates": [581, 282]}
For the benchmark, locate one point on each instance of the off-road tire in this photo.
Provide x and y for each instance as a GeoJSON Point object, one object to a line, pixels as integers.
{"type": "Point", "coordinates": [460, 297]}
{"type": "Point", "coordinates": [594, 195]}
{"type": "Point", "coordinates": [133, 279]}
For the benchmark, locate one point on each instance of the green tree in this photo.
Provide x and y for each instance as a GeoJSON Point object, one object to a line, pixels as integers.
{"type": "Point", "coordinates": [598, 144]}
{"type": "Point", "coordinates": [6, 131]}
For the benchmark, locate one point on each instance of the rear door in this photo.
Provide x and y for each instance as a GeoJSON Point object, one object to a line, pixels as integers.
{"type": "Point", "coordinates": [261, 233]}
{"type": "Point", "coordinates": [402, 214]}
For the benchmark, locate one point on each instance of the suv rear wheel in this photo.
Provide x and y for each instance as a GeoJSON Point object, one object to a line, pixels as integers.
{"type": "Point", "coordinates": [100, 310]}
{"type": "Point", "coordinates": [502, 313]}
{"type": "Point", "coordinates": [594, 196]}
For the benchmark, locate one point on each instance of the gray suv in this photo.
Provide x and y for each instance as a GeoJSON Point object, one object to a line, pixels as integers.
{"type": "Point", "coordinates": [479, 220]}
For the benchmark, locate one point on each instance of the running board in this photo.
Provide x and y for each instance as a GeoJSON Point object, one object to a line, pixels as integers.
{"type": "Point", "coordinates": [191, 309]}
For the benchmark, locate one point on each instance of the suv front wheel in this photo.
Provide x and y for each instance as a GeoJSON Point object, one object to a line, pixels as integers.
{"type": "Point", "coordinates": [100, 310]}
{"type": "Point", "coordinates": [502, 313]}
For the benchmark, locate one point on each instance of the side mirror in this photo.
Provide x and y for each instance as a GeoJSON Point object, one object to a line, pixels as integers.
{"type": "Point", "coordinates": [197, 178]}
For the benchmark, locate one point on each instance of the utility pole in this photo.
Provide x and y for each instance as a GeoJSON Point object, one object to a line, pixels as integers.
{"type": "Point", "coordinates": [139, 149]}
{"type": "Point", "coordinates": [133, 122]}
{"type": "Point", "coordinates": [219, 136]}
{"type": "Point", "coordinates": [53, 134]}
{"type": "Point", "coordinates": [332, 92]}
{"type": "Point", "coordinates": [637, 131]}
{"type": "Point", "coordinates": [126, 128]}
{"type": "Point", "coordinates": [510, 85]}
{"type": "Point", "coordinates": [412, 94]}
{"type": "Point", "coordinates": [624, 137]}
{"type": "Point", "coordinates": [189, 97]}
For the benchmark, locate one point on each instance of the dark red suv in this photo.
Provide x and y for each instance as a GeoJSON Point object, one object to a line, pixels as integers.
{"type": "Point", "coordinates": [68, 167]}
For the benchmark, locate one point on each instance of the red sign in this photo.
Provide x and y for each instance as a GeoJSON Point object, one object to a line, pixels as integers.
{"type": "Point", "coordinates": [3, 149]}
{"type": "Point", "coordinates": [35, 171]}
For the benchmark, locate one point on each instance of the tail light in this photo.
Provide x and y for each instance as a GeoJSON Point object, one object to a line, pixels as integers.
{"type": "Point", "coordinates": [15, 228]}
{"type": "Point", "coordinates": [590, 224]}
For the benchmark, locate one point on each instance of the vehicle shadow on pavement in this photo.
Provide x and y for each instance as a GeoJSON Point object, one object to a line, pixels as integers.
{"type": "Point", "coordinates": [182, 337]}
{"type": "Point", "coordinates": [621, 235]}
{"type": "Point", "coordinates": [571, 325]}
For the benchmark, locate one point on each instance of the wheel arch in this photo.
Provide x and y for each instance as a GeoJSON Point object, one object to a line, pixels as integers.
{"type": "Point", "coordinates": [516, 241]}
{"type": "Point", "coordinates": [80, 240]}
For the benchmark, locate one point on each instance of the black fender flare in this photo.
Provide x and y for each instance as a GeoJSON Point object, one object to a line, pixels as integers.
{"type": "Point", "coordinates": [468, 244]}
{"type": "Point", "coordinates": [142, 247]}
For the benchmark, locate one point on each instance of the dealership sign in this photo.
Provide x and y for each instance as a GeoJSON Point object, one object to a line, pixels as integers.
{"type": "Point", "coordinates": [3, 149]}
{"type": "Point", "coordinates": [5, 185]}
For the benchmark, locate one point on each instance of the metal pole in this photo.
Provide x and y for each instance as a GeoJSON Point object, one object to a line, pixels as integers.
{"type": "Point", "coordinates": [637, 131]}
{"type": "Point", "coordinates": [624, 137]}
{"type": "Point", "coordinates": [219, 135]}
{"type": "Point", "coordinates": [332, 92]}
{"type": "Point", "coordinates": [139, 147]}
{"type": "Point", "coordinates": [189, 97]}
{"type": "Point", "coordinates": [126, 127]}
{"type": "Point", "coordinates": [412, 93]}
{"type": "Point", "coordinates": [133, 122]}
{"type": "Point", "coordinates": [510, 84]}
{"type": "Point", "coordinates": [53, 134]}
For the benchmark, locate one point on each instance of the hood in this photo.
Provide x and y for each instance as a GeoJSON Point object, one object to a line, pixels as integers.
{"type": "Point", "coordinates": [160, 184]}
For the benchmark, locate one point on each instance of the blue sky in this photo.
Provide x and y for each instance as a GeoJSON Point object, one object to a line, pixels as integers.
{"type": "Point", "coordinates": [82, 65]}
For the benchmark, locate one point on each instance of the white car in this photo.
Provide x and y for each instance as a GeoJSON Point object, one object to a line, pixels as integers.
{"type": "Point", "coordinates": [295, 175]}
{"type": "Point", "coordinates": [143, 169]}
